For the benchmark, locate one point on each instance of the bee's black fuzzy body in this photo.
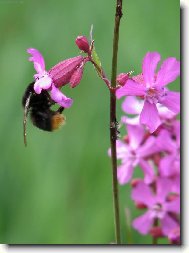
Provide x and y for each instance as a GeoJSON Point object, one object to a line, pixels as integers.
{"type": "Point", "coordinates": [39, 108]}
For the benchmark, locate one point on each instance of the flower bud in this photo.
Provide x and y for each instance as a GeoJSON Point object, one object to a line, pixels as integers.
{"type": "Point", "coordinates": [135, 181]}
{"type": "Point", "coordinates": [140, 205]}
{"type": "Point", "coordinates": [122, 78]}
{"type": "Point", "coordinates": [82, 43]}
{"type": "Point", "coordinates": [156, 232]}
{"type": "Point", "coordinates": [139, 79]}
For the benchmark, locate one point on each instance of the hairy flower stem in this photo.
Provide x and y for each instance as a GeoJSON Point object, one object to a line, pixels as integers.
{"type": "Point", "coordinates": [113, 125]}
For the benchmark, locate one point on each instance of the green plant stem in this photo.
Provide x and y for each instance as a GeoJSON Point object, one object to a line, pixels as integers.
{"type": "Point", "coordinates": [113, 126]}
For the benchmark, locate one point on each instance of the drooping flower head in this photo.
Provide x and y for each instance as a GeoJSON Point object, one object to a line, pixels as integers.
{"type": "Point", "coordinates": [43, 81]}
{"type": "Point", "coordinates": [151, 87]}
{"type": "Point", "coordinates": [67, 71]}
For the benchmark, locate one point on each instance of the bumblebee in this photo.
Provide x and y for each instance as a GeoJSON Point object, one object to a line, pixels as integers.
{"type": "Point", "coordinates": [39, 108]}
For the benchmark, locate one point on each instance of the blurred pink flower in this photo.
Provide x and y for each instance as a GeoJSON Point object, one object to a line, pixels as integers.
{"type": "Point", "coordinates": [158, 207]}
{"type": "Point", "coordinates": [134, 153]}
{"type": "Point", "coordinates": [151, 87]}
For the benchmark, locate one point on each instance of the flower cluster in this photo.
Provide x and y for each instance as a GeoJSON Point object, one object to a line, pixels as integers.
{"type": "Point", "coordinates": [152, 144]}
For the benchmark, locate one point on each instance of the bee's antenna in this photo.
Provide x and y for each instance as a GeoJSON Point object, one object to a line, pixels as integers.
{"type": "Point", "coordinates": [26, 109]}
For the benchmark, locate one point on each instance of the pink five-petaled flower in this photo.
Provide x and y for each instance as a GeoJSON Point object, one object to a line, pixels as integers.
{"type": "Point", "coordinates": [158, 206]}
{"type": "Point", "coordinates": [134, 153]}
{"type": "Point", "coordinates": [43, 81]}
{"type": "Point", "coordinates": [151, 87]}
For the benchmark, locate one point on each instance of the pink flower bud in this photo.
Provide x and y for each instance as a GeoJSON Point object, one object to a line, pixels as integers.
{"type": "Point", "coordinates": [172, 197]}
{"type": "Point", "coordinates": [140, 205]}
{"type": "Point", "coordinates": [139, 79]}
{"type": "Point", "coordinates": [122, 78]}
{"type": "Point", "coordinates": [82, 43]}
{"type": "Point", "coordinates": [62, 72]}
{"type": "Point", "coordinates": [135, 181]}
{"type": "Point", "coordinates": [156, 232]}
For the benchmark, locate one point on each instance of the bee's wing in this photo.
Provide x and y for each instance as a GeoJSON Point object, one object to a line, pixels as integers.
{"type": "Point", "coordinates": [26, 110]}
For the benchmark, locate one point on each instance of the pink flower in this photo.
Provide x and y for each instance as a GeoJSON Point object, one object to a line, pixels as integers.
{"type": "Point", "coordinates": [158, 207]}
{"type": "Point", "coordinates": [134, 153]}
{"type": "Point", "coordinates": [44, 81]}
{"type": "Point", "coordinates": [151, 87]}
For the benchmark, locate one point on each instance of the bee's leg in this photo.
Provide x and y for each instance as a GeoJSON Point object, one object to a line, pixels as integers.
{"type": "Point", "coordinates": [26, 110]}
{"type": "Point", "coordinates": [60, 109]}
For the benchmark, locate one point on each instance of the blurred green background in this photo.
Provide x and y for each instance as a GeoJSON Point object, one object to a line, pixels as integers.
{"type": "Point", "coordinates": [58, 189]}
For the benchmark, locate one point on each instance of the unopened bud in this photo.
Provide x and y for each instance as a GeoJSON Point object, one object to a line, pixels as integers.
{"type": "Point", "coordinates": [135, 181]}
{"type": "Point", "coordinates": [82, 43]}
{"type": "Point", "coordinates": [122, 78]}
{"type": "Point", "coordinates": [172, 197]}
{"type": "Point", "coordinates": [140, 205]}
{"type": "Point", "coordinates": [156, 232]}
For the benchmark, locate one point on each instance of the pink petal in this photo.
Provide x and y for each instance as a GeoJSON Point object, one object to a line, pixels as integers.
{"type": "Point", "coordinates": [132, 121]}
{"type": "Point", "coordinates": [169, 71]}
{"type": "Point", "coordinates": [164, 112]}
{"type": "Point", "coordinates": [165, 167]}
{"type": "Point", "coordinates": [148, 148]}
{"type": "Point", "coordinates": [124, 173]}
{"type": "Point", "coordinates": [149, 174]}
{"type": "Point", "coordinates": [44, 83]}
{"type": "Point", "coordinates": [149, 65]}
{"type": "Point", "coordinates": [164, 186]}
{"type": "Point", "coordinates": [168, 224]}
{"type": "Point", "coordinates": [149, 116]}
{"type": "Point", "coordinates": [132, 105]}
{"type": "Point", "coordinates": [131, 88]}
{"type": "Point", "coordinates": [122, 149]}
{"type": "Point", "coordinates": [143, 194]}
{"type": "Point", "coordinates": [136, 134]}
{"type": "Point", "coordinates": [172, 101]}
{"type": "Point", "coordinates": [173, 206]}
{"type": "Point", "coordinates": [176, 184]}
{"type": "Point", "coordinates": [60, 98]}
{"type": "Point", "coordinates": [165, 142]}
{"type": "Point", "coordinates": [37, 58]}
{"type": "Point", "coordinates": [143, 223]}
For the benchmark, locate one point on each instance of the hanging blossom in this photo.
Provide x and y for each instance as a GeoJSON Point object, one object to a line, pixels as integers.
{"type": "Point", "coordinates": [158, 205]}
{"type": "Point", "coordinates": [152, 88]}
{"type": "Point", "coordinates": [67, 71]}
